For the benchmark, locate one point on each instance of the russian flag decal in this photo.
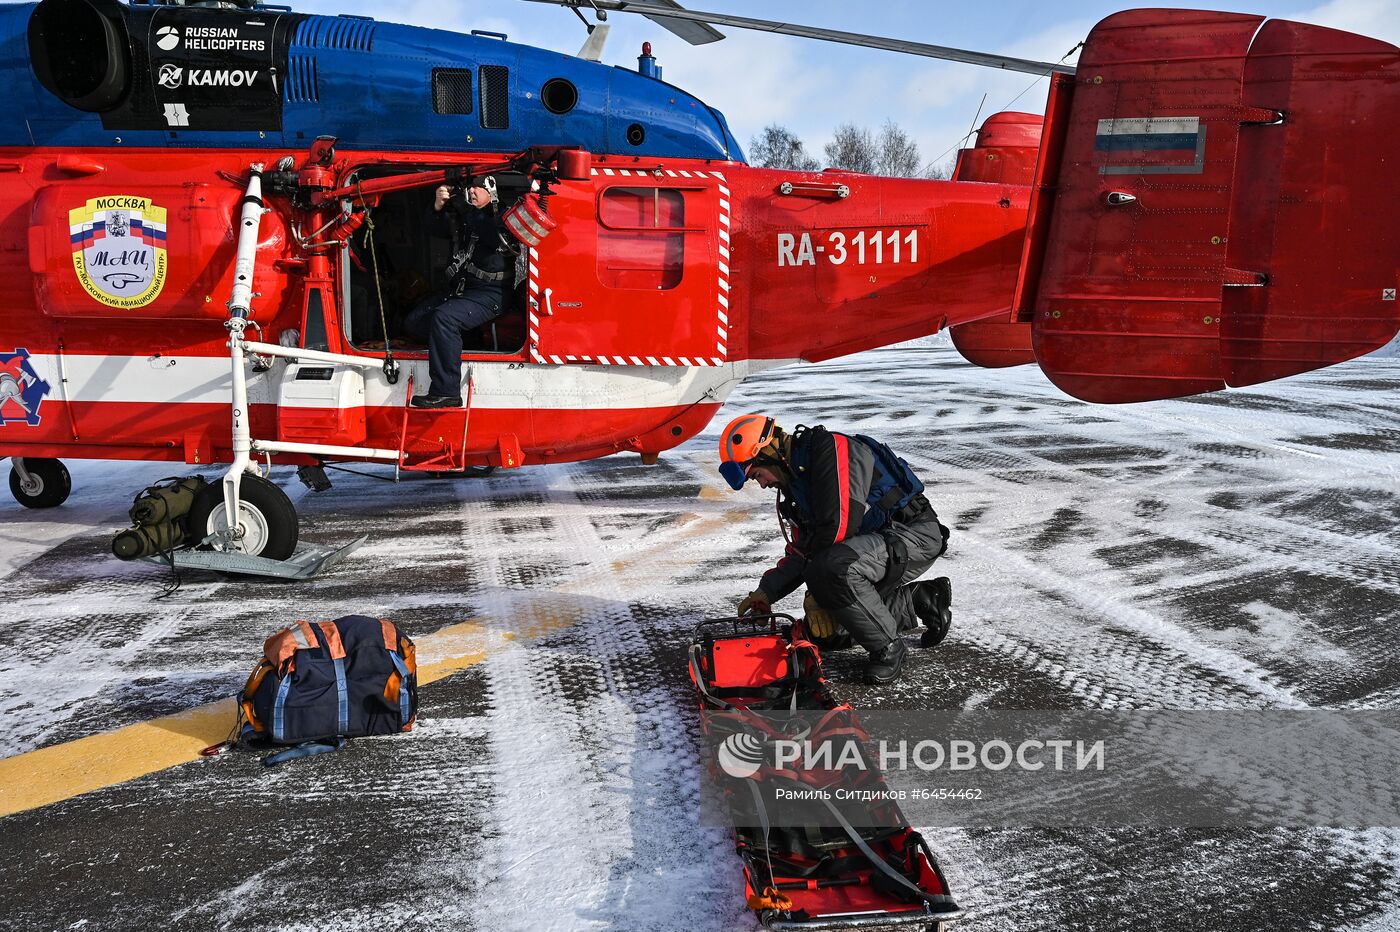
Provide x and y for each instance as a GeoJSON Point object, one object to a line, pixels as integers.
{"type": "Point", "coordinates": [1150, 146]}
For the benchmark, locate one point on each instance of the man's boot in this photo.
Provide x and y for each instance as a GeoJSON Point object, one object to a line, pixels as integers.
{"type": "Point", "coordinates": [933, 599]}
{"type": "Point", "coordinates": [884, 667]}
{"type": "Point", "coordinates": [436, 401]}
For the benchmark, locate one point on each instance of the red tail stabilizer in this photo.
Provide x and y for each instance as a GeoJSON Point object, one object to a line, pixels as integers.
{"type": "Point", "coordinates": [1219, 215]}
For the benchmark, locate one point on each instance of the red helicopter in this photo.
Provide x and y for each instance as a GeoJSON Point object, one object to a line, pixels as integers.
{"type": "Point", "coordinates": [214, 220]}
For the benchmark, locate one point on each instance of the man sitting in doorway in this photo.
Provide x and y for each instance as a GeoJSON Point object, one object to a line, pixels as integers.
{"type": "Point", "coordinates": [480, 277]}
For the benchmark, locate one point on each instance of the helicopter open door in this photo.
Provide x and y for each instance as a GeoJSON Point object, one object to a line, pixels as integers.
{"type": "Point", "coordinates": [636, 272]}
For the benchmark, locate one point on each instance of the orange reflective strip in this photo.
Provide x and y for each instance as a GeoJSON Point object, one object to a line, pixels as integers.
{"type": "Point", "coordinates": [332, 634]}
{"type": "Point", "coordinates": [391, 634]}
{"type": "Point", "coordinates": [410, 657]}
{"type": "Point", "coordinates": [392, 687]}
{"type": "Point", "coordinates": [308, 637]}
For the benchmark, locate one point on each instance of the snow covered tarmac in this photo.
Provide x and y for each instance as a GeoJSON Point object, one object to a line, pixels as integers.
{"type": "Point", "coordinates": [1236, 551]}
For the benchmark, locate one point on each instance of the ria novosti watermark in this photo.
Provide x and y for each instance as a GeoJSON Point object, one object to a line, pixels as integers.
{"type": "Point", "coordinates": [993, 755]}
{"type": "Point", "coordinates": [1047, 768]}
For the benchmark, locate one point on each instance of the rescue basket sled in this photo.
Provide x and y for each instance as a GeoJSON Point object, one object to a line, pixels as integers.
{"type": "Point", "coordinates": [753, 673]}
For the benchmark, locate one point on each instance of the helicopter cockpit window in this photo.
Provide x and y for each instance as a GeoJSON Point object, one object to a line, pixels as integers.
{"type": "Point", "coordinates": [402, 260]}
{"type": "Point", "coordinates": [641, 237]}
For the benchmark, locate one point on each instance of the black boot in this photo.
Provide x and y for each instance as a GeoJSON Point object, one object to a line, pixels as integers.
{"type": "Point", "coordinates": [932, 603]}
{"type": "Point", "coordinates": [885, 666]}
{"type": "Point", "coordinates": [437, 401]}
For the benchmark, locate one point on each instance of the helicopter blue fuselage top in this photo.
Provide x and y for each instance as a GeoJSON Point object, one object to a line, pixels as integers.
{"type": "Point", "coordinates": [101, 73]}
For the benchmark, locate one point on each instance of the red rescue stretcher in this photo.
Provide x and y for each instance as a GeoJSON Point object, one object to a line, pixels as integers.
{"type": "Point", "coordinates": [759, 680]}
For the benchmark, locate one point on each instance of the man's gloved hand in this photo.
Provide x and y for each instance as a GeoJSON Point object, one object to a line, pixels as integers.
{"type": "Point", "coordinates": [755, 603]}
{"type": "Point", "coordinates": [819, 623]}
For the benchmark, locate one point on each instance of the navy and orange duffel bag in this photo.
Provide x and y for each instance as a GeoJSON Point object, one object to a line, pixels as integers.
{"type": "Point", "coordinates": [329, 680]}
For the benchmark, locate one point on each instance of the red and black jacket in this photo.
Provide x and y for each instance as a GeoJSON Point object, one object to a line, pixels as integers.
{"type": "Point", "coordinates": [824, 503]}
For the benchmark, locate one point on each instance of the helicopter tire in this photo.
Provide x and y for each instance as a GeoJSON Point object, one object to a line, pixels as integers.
{"type": "Point", "coordinates": [268, 517]}
{"type": "Point", "coordinates": [50, 483]}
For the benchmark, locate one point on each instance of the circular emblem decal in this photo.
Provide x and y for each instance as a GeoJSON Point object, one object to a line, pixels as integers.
{"type": "Point", "coordinates": [119, 249]}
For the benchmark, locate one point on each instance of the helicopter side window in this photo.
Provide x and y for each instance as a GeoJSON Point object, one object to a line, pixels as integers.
{"type": "Point", "coordinates": [641, 238]}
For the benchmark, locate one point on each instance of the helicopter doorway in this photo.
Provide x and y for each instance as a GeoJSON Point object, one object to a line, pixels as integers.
{"type": "Point", "coordinates": [397, 261]}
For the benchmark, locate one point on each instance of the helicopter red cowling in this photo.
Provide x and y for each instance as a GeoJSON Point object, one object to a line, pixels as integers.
{"type": "Point", "coordinates": [1213, 215]}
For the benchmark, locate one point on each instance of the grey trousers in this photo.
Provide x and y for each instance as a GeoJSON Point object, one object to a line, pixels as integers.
{"type": "Point", "coordinates": [843, 579]}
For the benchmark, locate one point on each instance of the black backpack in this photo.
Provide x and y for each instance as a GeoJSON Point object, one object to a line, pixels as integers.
{"type": "Point", "coordinates": [332, 679]}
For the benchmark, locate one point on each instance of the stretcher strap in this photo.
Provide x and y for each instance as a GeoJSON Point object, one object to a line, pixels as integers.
{"type": "Point", "coordinates": [763, 821]}
{"type": "Point", "coordinates": [880, 864]}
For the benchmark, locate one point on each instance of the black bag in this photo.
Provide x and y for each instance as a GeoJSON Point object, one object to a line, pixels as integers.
{"type": "Point", "coordinates": [345, 678]}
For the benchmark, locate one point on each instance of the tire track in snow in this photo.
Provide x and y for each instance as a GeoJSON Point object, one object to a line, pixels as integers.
{"type": "Point", "coordinates": [611, 766]}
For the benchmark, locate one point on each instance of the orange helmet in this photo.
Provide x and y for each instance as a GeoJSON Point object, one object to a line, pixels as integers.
{"type": "Point", "coordinates": [740, 442]}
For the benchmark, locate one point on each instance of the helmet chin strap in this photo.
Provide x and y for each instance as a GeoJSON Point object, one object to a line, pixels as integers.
{"type": "Point", "coordinates": [778, 458]}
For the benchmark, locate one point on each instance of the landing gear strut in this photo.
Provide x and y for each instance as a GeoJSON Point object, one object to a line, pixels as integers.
{"type": "Point", "coordinates": [39, 483]}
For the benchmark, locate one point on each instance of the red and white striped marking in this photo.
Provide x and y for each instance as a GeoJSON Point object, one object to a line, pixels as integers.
{"type": "Point", "coordinates": [722, 265]}
{"type": "Point", "coordinates": [532, 305]}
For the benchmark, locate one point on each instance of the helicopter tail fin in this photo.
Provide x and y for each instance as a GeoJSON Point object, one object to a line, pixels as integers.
{"type": "Point", "coordinates": [1219, 215]}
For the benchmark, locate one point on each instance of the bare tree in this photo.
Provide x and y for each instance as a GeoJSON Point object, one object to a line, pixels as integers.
{"type": "Point", "coordinates": [940, 172]}
{"type": "Point", "coordinates": [778, 147]}
{"type": "Point", "coordinates": [852, 148]}
{"type": "Point", "coordinates": [896, 155]}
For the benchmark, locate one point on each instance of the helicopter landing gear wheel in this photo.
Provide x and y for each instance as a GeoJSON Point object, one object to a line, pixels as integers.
{"type": "Point", "coordinates": [46, 484]}
{"type": "Point", "coordinates": [265, 513]}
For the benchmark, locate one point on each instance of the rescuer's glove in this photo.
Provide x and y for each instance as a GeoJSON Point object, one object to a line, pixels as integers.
{"type": "Point", "coordinates": [819, 622]}
{"type": "Point", "coordinates": [755, 603]}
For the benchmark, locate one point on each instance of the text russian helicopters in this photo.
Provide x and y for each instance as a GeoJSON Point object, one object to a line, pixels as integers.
{"type": "Point", "coordinates": [1206, 208]}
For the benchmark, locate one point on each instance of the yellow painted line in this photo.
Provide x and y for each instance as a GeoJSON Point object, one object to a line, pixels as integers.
{"type": "Point", "coordinates": [62, 771]}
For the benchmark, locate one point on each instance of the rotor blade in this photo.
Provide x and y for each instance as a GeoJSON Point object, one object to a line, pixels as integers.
{"type": "Point", "coordinates": [652, 10]}
{"type": "Point", "coordinates": [696, 32]}
{"type": "Point", "coordinates": [593, 46]}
